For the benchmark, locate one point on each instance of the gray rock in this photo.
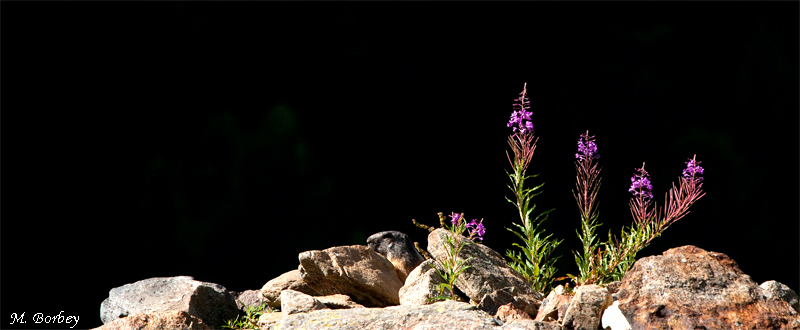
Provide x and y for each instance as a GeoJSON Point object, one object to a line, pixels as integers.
{"type": "Point", "coordinates": [421, 285]}
{"type": "Point", "coordinates": [613, 318]}
{"type": "Point", "coordinates": [690, 288]}
{"type": "Point", "coordinates": [778, 291]}
{"type": "Point", "coordinates": [356, 271]}
{"type": "Point", "coordinates": [489, 271]}
{"type": "Point", "coordinates": [293, 302]}
{"type": "Point", "coordinates": [586, 308]}
{"type": "Point", "coordinates": [249, 298]}
{"type": "Point", "coordinates": [290, 280]}
{"type": "Point", "coordinates": [209, 302]}
{"type": "Point", "coordinates": [440, 315]}
{"type": "Point", "coordinates": [169, 320]}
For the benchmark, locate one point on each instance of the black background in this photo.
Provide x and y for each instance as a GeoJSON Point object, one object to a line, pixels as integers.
{"type": "Point", "coordinates": [219, 140]}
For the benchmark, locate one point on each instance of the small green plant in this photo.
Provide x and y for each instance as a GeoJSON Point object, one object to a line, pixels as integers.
{"type": "Point", "coordinates": [250, 319]}
{"type": "Point", "coordinates": [451, 265]}
{"type": "Point", "coordinates": [606, 262]}
{"type": "Point", "coordinates": [534, 261]}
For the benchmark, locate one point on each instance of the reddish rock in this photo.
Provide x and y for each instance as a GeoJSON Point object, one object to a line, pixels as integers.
{"type": "Point", "coordinates": [553, 307]}
{"type": "Point", "coordinates": [508, 313]}
{"type": "Point", "coordinates": [690, 288]}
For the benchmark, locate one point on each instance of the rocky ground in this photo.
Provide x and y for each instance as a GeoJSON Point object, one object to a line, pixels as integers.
{"type": "Point", "coordinates": [355, 287]}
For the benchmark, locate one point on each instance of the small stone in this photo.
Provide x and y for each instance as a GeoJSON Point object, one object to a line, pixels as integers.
{"type": "Point", "coordinates": [293, 302]}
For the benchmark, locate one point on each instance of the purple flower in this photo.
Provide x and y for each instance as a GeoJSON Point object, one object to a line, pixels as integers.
{"type": "Point", "coordinates": [587, 148]}
{"type": "Point", "coordinates": [455, 217]}
{"type": "Point", "coordinates": [520, 118]}
{"type": "Point", "coordinates": [640, 184]}
{"type": "Point", "coordinates": [693, 170]}
{"type": "Point", "coordinates": [477, 228]}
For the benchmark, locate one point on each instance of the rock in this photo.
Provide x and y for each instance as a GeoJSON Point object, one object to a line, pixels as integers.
{"type": "Point", "coordinates": [249, 298]}
{"type": "Point", "coordinates": [338, 301]}
{"type": "Point", "coordinates": [290, 280]}
{"type": "Point", "coordinates": [528, 324]}
{"type": "Point", "coordinates": [777, 290]}
{"type": "Point", "coordinates": [613, 318]}
{"type": "Point", "coordinates": [356, 271]}
{"type": "Point", "coordinates": [508, 313]}
{"type": "Point", "coordinates": [293, 302]}
{"type": "Point", "coordinates": [169, 320]}
{"type": "Point", "coordinates": [586, 308]}
{"type": "Point", "coordinates": [266, 320]}
{"type": "Point", "coordinates": [528, 303]}
{"type": "Point", "coordinates": [441, 315]}
{"type": "Point", "coordinates": [209, 302]}
{"type": "Point", "coordinates": [398, 248]}
{"type": "Point", "coordinates": [489, 271]}
{"type": "Point", "coordinates": [554, 306]}
{"type": "Point", "coordinates": [690, 288]}
{"type": "Point", "coordinates": [421, 285]}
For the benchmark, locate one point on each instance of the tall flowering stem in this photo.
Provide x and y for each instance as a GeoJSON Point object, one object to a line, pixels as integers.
{"type": "Point", "coordinates": [649, 222]}
{"type": "Point", "coordinates": [533, 260]}
{"type": "Point", "coordinates": [587, 184]}
{"type": "Point", "coordinates": [451, 266]}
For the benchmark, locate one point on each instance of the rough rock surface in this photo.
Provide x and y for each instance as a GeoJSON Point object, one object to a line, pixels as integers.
{"type": "Point", "coordinates": [529, 325]}
{"type": "Point", "coordinates": [293, 302]}
{"type": "Point", "coordinates": [209, 302]}
{"type": "Point", "coordinates": [613, 318]}
{"type": "Point", "coordinates": [774, 290]}
{"type": "Point", "coordinates": [508, 313]}
{"type": "Point", "coordinates": [170, 320]}
{"type": "Point", "coordinates": [489, 271]}
{"type": "Point", "coordinates": [690, 288]}
{"type": "Point", "coordinates": [338, 301]}
{"type": "Point", "coordinates": [554, 307]}
{"type": "Point", "coordinates": [586, 308]}
{"type": "Point", "coordinates": [290, 280]}
{"type": "Point", "coordinates": [421, 285]}
{"type": "Point", "coordinates": [356, 271]}
{"type": "Point", "coordinates": [528, 302]}
{"type": "Point", "coordinates": [441, 315]}
{"type": "Point", "coordinates": [266, 320]}
{"type": "Point", "coordinates": [247, 299]}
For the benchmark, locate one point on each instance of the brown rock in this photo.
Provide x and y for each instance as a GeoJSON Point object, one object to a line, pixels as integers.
{"type": "Point", "coordinates": [293, 302]}
{"type": "Point", "coordinates": [356, 271]}
{"type": "Point", "coordinates": [526, 302]}
{"type": "Point", "coordinates": [690, 288]}
{"type": "Point", "coordinates": [553, 307]}
{"type": "Point", "coordinates": [169, 320]}
{"type": "Point", "coordinates": [528, 324]}
{"type": "Point", "coordinates": [266, 320]}
{"type": "Point", "coordinates": [249, 298]}
{"type": "Point", "coordinates": [778, 291]}
{"type": "Point", "coordinates": [421, 285]}
{"type": "Point", "coordinates": [508, 313]}
{"type": "Point", "coordinates": [489, 271]}
{"type": "Point", "coordinates": [586, 308]}
{"type": "Point", "coordinates": [290, 280]}
{"type": "Point", "coordinates": [338, 301]}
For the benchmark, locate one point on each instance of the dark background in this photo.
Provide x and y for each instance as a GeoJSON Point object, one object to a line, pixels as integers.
{"type": "Point", "coordinates": [220, 140]}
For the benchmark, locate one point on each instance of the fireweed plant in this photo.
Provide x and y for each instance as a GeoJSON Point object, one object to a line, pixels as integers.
{"type": "Point", "coordinates": [533, 262]}
{"type": "Point", "coordinates": [602, 263]}
{"type": "Point", "coordinates": [451, 266]}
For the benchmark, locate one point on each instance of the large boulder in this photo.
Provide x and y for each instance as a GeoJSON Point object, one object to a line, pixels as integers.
{"type": "Point", "coordinates": [209, 302]}
{"type": "Point", "coordinates": [441, 315]}
{"type": "Point", "coordinates": [356, 271]}
{"type": "Point", "coordinates": [586, 308]}
{"type": "Point", "coordinates": [170, 320]}
{"type": "Point", "coordinates": [488, 273]}
{"type": "Point", "coordinates": [290, 280]}
{"type": "Point", "coordinates": [690, 288]}
{"type": "Point", "coordinates": [421, 285]}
